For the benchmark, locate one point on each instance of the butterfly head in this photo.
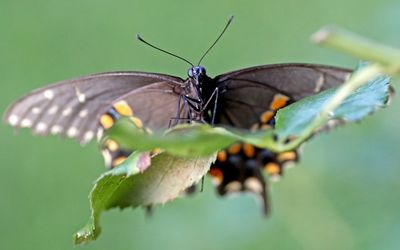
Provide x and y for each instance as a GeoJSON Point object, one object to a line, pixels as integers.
{"type": "Point", "coordinates": [197, 72]}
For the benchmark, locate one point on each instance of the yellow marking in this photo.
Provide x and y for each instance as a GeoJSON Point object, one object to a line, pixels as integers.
{"type": "Point", "coordinates": [123, 108]}
{"type": "Point", "coordinates": [112, 145]}
{"type": "Point", "coordinates": [272, 168]}
{"type": "Point", "coordinates": [106, 121]}
{"type": "Point", "coordinates": [234, 149]}
{"type": "Point", "coordinates": [155, 151]}
{"type": "Point", "coordinates": [287, 156]}
{"type": "Point", "coordinates": [217, 175]}
{"type": "Point", "coordinates": [222, 156]}
{"type": "Point", "coordinates": [279, 101]}
{"type": "Point", "coordinates": [149, 131]}
{"type": "Point", "coordinates": [266, 116]}
{"type": "Point", "coordinates": [249, 150]}
{"type": "Point", "coordinates": [138, 123]}
{"type": "Point", "coordinates": [118, 160]}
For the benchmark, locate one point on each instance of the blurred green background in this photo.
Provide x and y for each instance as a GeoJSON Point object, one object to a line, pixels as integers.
{"type": "Point", "coordinates": [343, 195]}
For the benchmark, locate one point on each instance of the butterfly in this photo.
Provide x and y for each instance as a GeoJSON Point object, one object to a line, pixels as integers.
{"type": "Point", "coordinates": [83, 108]}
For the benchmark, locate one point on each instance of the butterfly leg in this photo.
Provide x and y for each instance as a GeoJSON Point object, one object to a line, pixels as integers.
{"type": "Point", "coordinates": [189, 103]}
{"type": "Point", "coordinates": [177, 114]}
{"type": "Point", "coordinates": [216, 94]}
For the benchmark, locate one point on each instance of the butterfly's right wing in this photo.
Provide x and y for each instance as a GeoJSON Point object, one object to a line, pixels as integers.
{"type": "Point", "coordinates": [73, 108]}
{"type": "Point", "coordinates": [155, 107]}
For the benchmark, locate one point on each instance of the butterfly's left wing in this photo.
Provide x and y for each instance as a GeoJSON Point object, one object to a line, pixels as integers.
{"type": "Point", "coordinates": [248, 93]}
{"type": "Point", "coordinates": [249, 99]}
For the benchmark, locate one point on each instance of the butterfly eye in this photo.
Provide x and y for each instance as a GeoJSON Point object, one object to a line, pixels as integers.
{"type": "Point", "coordinates": [190, 72]}
{"type": "Point", "coordinates": [201, 70]}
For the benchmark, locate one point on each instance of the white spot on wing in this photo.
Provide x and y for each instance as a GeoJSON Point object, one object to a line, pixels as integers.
{"type": "Point", "coordinates": [83, 113]}
{"type": "Point", "coordinates": [88, 136]}
{"type": "Point", "coordinates": [56, 129]}
{"type": "Point", "coordinates": [36, 110]}
{"type": "Point", "coordinates": [319, 83]}
{"type": "Point", "coordinates": [48, 94]}
{"type": "Point", "coordinates": [72, 132]}
{"type": "Point", "coordinates": [13, 120]}
{"type": "Point", "coordinates": [53, 110]}
{"type": "Point", "coordinates": [26, 123]}
{"type": "Point", "coordinates": [67, 112]}
{"type": "Point", "coordinates": [107, 157]}
{"type": "Point", "coordinates": [81, 98]}
{"type": "Point", "coordinates": [254, 185]}
{"type": "Point", "coordinates": [275, 178]}
{"type": "Point", "coordinates": [80, 95]}
{"type": "Point", "coordinates": [99, 134]}
{"type": "Point", "coordinates": [233, 186]}
{"type": "Point", "coordinates": [41, 127]}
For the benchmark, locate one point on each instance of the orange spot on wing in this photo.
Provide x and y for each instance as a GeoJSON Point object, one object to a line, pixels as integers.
{"type": "Point", "coordinates": [123, 108]}
{"type": "Point", "coordinates": [272, 168]}
{"type": "Point", "coordinates": [106, 121]}
{"type": "Point", "coordinates": [217, 175]}
{"type": "Point", "coordinates": [287, 156]}
{"type": "Point", "coordinates": [279, 101]}
{"type": "Point", "coordinates": [222, 156]}
{"type": "Point", "coordinates": [266, 116]}
{"type": "Point", "coordinates": [249, 150]}
{"type": "Point", "coordinates": [234, 148]}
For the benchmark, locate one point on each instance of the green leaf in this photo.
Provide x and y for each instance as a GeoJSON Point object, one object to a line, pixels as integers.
{"type": "Point", "coordinates": [294, 119]}
{"type": "Point", "coordinates": [134, 183]}
{"type": "Point", "coordinates": [182, 140]}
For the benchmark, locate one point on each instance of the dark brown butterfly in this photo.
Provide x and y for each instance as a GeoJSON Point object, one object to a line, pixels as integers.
{"type": "Point", "coordinates": [248, 98]}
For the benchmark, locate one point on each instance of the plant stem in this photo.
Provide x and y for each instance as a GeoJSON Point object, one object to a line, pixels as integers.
{"type": "Point", "coordinates": [359, 47]}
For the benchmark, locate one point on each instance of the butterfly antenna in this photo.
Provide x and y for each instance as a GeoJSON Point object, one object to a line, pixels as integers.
{"type": "Point", "coordinates": [157, 48]}
{"type": "Point", "coordinates": [220, 35]}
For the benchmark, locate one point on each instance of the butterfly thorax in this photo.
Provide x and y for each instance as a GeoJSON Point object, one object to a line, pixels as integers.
{"type": "Point", "coordinates": [199, 90]}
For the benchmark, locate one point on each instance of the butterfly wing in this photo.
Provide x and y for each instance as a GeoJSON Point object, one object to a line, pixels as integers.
{"type": "Point", "coordinates": [249, 98]}
{"type": "Point", "coordinates": [72, 108]}
{"type": "Point", "coordinates": [152, 107]}
{"type": "Point", "coordinates": [248, 93]}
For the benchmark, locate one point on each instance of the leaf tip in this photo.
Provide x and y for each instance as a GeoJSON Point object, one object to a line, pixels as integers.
{"type": "Point", "coordinates": [86, 235]}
